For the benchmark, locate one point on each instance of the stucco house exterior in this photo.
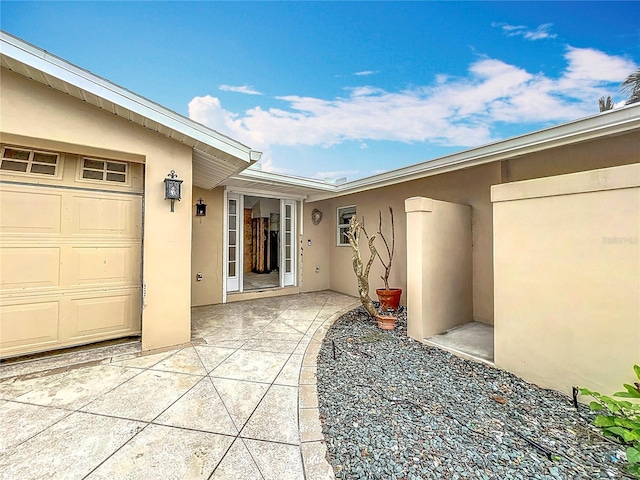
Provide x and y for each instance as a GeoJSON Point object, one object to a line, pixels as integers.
{"type": "Point", "coordinates": [83, 168]}
{"type": "Point", "coordinates": [536, 235]}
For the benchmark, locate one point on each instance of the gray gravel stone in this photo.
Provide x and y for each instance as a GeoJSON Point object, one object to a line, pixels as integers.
{"type": "Point", "coordinates": [393, 408]}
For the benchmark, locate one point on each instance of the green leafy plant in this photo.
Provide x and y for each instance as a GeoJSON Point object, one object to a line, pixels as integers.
{"type": "Point", "coordinates": [620, 419]}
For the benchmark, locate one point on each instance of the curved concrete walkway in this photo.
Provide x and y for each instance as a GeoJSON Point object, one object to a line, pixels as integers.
{"type": "Point", "coordinates": [238, 402]}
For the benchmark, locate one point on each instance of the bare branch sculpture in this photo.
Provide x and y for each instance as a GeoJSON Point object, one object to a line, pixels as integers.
{"type": "Point", "coordinates": [361, 270]}
{"type": "Point", "coordinates": [390, 251]}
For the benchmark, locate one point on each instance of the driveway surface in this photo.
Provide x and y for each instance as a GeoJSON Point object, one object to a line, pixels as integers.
{"type": "Point", "coordinates": [238, 402]}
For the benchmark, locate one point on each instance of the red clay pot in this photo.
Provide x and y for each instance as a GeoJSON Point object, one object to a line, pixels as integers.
{"type": "Point", "coordinates": [386, 322]}
{"type": "Point", "coordinates": [389, 299]}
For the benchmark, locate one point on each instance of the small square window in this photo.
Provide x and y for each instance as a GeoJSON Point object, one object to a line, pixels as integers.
{"type": "Point", "coordinates": [116, 177]}
{"type": "Point", "coordinates": [48, 158]}
{"type": "Point", "coordinates": [116, 167]}
{"type": "Point", "coordinates": [14, 166]}
{"type": "Point", "coordinates": [44, 169]}
{"type": "Point", "coordinates": [95, 164]}
{"type": "Point", "coordinates": [344, 217]}
{"type": "Point", "coordinates": [16, 154]}
{"type": "Point", "coordinates": [92, 174]}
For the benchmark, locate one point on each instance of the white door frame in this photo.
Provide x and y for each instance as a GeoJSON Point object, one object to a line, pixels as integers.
{"type": "Point", "coordinates": [233, 283]}
{"type": "Point", "coordinates": [286, 279]}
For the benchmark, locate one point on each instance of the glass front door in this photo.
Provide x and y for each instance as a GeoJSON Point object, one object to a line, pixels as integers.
{"type": "Point", "coordinates": [261, 240]}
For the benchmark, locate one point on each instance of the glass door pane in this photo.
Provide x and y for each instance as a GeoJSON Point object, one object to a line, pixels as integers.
{"type": "Point", "coordinates": [233, 237]}
{"type": "Point", "coordinates": [288, 254]}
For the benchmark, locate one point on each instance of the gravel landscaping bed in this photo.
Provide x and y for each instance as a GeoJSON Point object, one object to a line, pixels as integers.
{"type": "Point", "coordinates": [393, 408]}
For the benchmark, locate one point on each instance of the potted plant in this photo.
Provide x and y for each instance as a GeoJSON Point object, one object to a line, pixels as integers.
{"type": "Point", "coordinates": [389, 297]}
{"type": "Point", "coordinates": [386, 320]}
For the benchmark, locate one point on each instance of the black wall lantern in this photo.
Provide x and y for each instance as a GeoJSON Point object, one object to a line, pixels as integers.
{"type": "Point", "coordinates": [201, 208]}
{"type": "Point", "coordinates": [172, 188]}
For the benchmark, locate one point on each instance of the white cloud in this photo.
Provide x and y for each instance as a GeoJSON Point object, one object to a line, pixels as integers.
{"type": "Point", "coordinates": [453, 111]}
{"type": "Point", "coordinates": [363, 73]}
{"type": "Point", "coordinates": [208, 111]}
{"type": "Point", "coordinates": [267, 165]}
{"type": "Point", "coordinates": [246, 89]}
{"type": "Point", "coordinates": [540, 33]}
{"type": "Point", "coordinates": [590, 65]}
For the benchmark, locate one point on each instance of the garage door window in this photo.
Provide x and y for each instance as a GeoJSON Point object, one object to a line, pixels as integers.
{"type": "Point", "coordinates": [104, 170]}
{"type": "Point", "coordinates": [21, 160]}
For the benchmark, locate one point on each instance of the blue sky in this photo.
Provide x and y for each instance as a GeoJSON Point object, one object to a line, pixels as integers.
{"type": "Point", "coordinates": [348, 89]}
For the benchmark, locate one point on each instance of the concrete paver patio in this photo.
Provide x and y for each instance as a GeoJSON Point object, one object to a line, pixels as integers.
{"type": "Point", "coordinates": [238, 402]}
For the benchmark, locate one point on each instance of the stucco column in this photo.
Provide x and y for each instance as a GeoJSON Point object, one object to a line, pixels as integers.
{"type": "Point", "coordinates": [166, 314]}
{"type": "Point", "coordinates": [418, 211]}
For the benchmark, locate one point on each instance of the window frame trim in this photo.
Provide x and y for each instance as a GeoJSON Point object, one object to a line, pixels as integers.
{"type": "Point", "coordinates": [342, 225]}
{"type": "Point", "coordinates": [80, 170]}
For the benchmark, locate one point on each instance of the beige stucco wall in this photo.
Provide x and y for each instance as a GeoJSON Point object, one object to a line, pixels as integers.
{"type": "Point", "coordinates": [207, 255]}
{"type": "Point", "coordinates": [468, 187]}
{"type": "Point", "coordinates": [567, 278]}
{"type": "Point", "coordinates": [439, 273]}
{"type": "Point", "coordinates": [207, 245]}
{"type": "Point", "coordinates": [318, 253]}
{"type": "Point", "coordinates": [601, 153]}
{"type": "Point", "coordinates": [32, 114]}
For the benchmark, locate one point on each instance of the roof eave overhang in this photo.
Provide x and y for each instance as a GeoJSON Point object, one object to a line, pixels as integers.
{"type": "Point", "coordinates": [278, 178]}
{"type": "Point", "coordinates": [276, 184]}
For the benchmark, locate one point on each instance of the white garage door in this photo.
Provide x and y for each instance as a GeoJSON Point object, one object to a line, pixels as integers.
{"type": "Point", "coordinates": [70, 250]}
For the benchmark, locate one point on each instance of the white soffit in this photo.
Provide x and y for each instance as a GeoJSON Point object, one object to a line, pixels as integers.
{"type": "Point", "coordinates": [266, 182]}
{"type": "Point", "coordinates": [215, 156]}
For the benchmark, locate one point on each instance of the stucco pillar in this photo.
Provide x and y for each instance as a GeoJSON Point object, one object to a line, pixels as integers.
{"type": "Point", "coordinates": [439, 266]}
{"type": "Point", "coordinates": [418, 210]}
{"type": "Point", "coordinates": [166, 314]}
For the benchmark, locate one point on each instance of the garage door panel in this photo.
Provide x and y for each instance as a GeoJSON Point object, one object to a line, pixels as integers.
{"type": "Point", "coordinates": [93, 317]}
{"type": "Point", "coordinates": [27, 267]}
{"type": "Point", "coordinates": [70, 263]}
{"type": "Point", "coordinates": [28, 325]}
{"type": "Point", "coordinates": [104, 265]}
{"type": "Point", "coordinates": [100, 215]}
{"type": "Point", "coordinates": [29, 211]}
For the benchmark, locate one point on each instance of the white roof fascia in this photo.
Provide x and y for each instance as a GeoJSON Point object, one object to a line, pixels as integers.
{"type": "Point", "coordinates": [275, 179]}
{"type": "Point", "coordinates": [613, 122]}
{"type": "Point", "coordinates": [252, 192]}
{"type": "Point", "coordinates": [87, 81]}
